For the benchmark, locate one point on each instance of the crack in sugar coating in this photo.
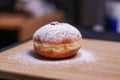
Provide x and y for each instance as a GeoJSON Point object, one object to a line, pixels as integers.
{"type": "Point", "coordinates": [57, 33]}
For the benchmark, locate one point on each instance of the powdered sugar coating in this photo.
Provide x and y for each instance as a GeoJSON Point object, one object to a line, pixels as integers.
{"type": "Point", "coordinates": [56, 31]}
{"type": "Point", "coordinates": [27, 58]}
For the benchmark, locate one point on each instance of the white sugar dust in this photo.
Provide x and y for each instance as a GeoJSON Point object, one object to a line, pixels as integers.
{"type": "Point", "coordinates": [29, 57]}
{"type": "Point", "coordinates": [57, 32]}
{"type": "Point", "coordinates": [86, 56]}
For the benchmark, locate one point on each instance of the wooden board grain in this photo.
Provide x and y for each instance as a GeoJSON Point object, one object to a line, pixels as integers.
{"type": "Point", "coordinates": [105, 67]}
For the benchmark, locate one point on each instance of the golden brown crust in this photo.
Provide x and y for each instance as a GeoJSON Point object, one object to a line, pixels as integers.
{"type": "Point", "coordinates": [57, 50]}
{"type": "Point", "coordinates": [55, 54]}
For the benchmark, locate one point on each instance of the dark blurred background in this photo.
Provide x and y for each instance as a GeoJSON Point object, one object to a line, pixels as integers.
{"type": "Point", "coordinates": [96, 19]}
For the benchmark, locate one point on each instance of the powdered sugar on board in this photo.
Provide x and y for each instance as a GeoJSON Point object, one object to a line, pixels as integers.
{"type": "Point", "coordinates": [29, 57]}
{"type": "Point", "coordinates": [56, 31]}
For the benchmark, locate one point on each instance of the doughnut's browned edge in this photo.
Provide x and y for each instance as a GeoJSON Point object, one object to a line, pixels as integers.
{"type": "Point", "coordinates": [55, 54]}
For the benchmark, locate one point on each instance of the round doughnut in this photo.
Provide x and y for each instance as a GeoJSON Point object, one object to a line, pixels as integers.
{"type": "Point", "coordinates": [57, 40]}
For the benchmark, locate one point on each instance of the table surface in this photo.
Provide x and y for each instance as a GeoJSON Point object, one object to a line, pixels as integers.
{"type": "Point", "coordinates": [15, 63]}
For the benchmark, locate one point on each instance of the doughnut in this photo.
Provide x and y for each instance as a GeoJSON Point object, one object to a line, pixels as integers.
{"type": "Point", "coordinates": [57, 40]}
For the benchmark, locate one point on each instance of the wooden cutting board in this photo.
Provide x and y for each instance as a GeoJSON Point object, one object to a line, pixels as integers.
{"type": "Point", "coordinates": [22, 63]}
